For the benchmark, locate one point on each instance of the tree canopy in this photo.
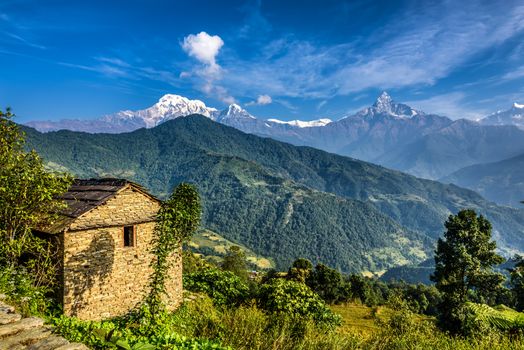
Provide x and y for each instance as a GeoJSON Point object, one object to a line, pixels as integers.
{"type": "Point", "coordinates": [28, 196]}
{"type": "Point", "coordinates": [463, 266]}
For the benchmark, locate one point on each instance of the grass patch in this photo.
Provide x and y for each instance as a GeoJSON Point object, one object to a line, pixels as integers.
{"type": "Point", "coordinates": [213, 247]}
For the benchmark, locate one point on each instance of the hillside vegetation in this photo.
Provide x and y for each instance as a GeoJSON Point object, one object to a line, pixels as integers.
{"type": "Point", "coordinates": [280, 200]}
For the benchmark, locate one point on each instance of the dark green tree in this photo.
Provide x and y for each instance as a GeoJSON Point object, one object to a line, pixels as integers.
{"type": "Point", "coordinates": [464, 262]}
{"type": "Point", "coordinates": [300, 270]}
{"type": "Point", "coordinates": [329, 284]}
{"type": "Point", "coordinates": [517, 283]}
{"type": "Point", "coordinates": [177, 220]}
{"type": "Point", "coordinates": [28, 200]}
{"type": "Point", "coordinates": [235, 261]}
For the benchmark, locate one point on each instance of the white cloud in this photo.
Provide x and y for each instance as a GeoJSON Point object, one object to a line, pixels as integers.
{"type": "Point", "coordinates": [205, 49]}
{"type": "Point", "coordinates": [261, 100]}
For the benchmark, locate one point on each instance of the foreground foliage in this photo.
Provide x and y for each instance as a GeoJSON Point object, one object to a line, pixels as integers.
{"type": "Point", "coordinates": [247, 327]}
{"type": "Point", "coordinates": [27, 201]}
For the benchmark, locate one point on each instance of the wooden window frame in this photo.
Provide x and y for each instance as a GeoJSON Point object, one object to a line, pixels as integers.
{"type": "Point", "coordinates": [124, 236]}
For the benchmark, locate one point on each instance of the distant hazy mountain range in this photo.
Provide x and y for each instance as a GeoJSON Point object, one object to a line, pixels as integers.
{"type": "Point", "coordinates": [387, 133]}
{"type": "Point", "coordinates": [513, 116]}
{"type": "Point", "coordinates": [280, 200]}
{"type": "Point", "coordinates": [502, 182]}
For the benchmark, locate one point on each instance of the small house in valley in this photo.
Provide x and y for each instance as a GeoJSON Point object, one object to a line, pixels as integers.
{"type": "Point", "coordinates": [104, 238]}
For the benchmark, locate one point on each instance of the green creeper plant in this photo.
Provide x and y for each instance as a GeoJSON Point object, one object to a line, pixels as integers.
{"type": "Point", "coordinates": [463, 267]}
{"type": "Point", "coordinates": [177, 220]}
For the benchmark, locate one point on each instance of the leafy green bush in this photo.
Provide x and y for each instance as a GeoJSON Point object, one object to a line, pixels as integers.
{"type": "Point", "coordinates": [18, 286]}
{"type": "Point", "coordinates": [224, 287]}
{"type": "Point", "coordinates": [248, 327]}
{"type": "Point", "coordinates": [293, 298]}
{"type": "Point", "coordinates": [120, 334]}
{"type": "Point", "coordinates": [500, 317]}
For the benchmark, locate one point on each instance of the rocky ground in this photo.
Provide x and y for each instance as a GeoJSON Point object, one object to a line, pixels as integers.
{"type": "Point", "coordinates": [18, 333]}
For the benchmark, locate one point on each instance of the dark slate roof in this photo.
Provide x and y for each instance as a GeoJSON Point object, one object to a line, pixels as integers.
{"type": "Point", "coordinates": [84, 195]}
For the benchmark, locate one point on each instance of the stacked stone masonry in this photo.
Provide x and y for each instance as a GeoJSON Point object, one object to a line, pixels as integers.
{"type": "Point", "coordinates": [103, 278]}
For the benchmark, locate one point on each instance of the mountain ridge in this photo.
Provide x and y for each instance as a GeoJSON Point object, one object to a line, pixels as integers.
{"type": "Point", "coordinates": [248, 182]}
{"type": "Point", "coordinates": [386, 133]}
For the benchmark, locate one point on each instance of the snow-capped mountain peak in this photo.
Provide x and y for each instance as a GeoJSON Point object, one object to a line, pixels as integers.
{"type": "Point", "coordinates": [384, 102]}
{"type": "Point", "coordinates": [168, 107]}
{"type": "Point", "coordinates": [303, 124]}
{"type": "Point", "coordinates": [513, 116]}
{"type": "Point", "coordinates": [232, 114]}
{"type": "Point", "coordinates": [385, 105]}
{"type": "Point", "coordinates": [171, 104]}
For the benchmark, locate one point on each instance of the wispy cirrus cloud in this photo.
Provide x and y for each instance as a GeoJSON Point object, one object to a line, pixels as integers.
{"type": "Point", "coordinates": [23, 41]}
{"type": "Point", "coordinates": [422, 46]}
{"type": "Point", "coordinates": [452, 105]}
{"type": "Point", "coordinates": [517, 73]}
{"type": "Point", "coordinates": [419, 50]}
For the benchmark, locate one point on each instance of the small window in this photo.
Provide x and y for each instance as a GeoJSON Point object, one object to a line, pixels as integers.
{"type": "Point", "coordinates": [129, 236]}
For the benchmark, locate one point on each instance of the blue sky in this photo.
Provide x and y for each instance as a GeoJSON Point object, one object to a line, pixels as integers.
{"type": "Point", "coordinates": [285, 59]}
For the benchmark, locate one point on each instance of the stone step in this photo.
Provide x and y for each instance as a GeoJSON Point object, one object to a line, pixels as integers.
{"type": "Point", "coordinates": [23, 324]}
{"type": "Point", "coordinates": [25, 338]}
{"type": "Point", "coordinates": [9, 318]}
{"type": "Point", "coordinates": [50, 343]}
{"type": "Point", "coordinates": [73, 346]}
{"type": "Point", "coordinates": [17, 333]}
{"type": "Point", "coordinates": [6, 309]}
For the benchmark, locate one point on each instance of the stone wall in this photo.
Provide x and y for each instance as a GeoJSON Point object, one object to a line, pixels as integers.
{"type": "Point", "coordinates": [102, 278]}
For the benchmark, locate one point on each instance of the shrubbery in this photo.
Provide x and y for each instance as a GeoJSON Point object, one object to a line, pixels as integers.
{"type": "Point", "coordinates": [295, 299]}
{"type": "Point", "coordinates": [19, 287]}
{"type": "Point", "coordinates": [224, 287]}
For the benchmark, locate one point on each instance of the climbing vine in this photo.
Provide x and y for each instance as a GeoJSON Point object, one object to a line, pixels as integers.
{"type": "Point", "coordinates": [177, 220]}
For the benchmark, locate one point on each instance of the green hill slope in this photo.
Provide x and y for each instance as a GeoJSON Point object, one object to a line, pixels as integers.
{"type": "Point", "coordinates": [501, 182]}
{"type": "Point", "coordinates": [280, 200]}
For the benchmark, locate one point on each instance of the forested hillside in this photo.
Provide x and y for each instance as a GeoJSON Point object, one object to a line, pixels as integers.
{"type": "Point", "coordinates": [502, 182]}
{"type": "Point", "coordinates": [280, 200]}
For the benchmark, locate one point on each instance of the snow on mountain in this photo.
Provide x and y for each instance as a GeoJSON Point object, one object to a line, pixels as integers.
{"type": "Point", "coordinates": [303, 124]}
{"type": "Point", "coordinates": [385, 105]}
{"type": "Point", "coordinates": [233, 112]}
{"type": "Point", "coordinates": [513, 116]}
{"type": "Point", "coordinates": [168, 107]}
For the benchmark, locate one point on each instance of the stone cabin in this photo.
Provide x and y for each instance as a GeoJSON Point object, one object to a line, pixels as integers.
{"type": "Point", "coordinates": [104, 237]}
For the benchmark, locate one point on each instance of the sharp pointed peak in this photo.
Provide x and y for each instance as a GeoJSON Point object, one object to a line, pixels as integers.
{"type": "Point", "coordinates": [383, 99]}
{"type": "Point", "coordinates": [234, 106]}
